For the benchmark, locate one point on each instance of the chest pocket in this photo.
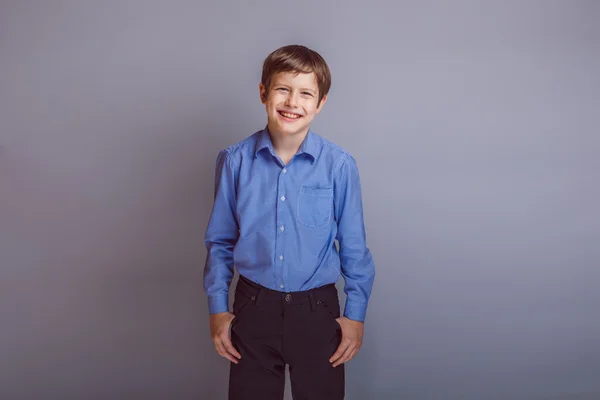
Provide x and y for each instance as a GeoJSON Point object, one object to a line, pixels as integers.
{"type": "Point", "coordinates": [315, 206]}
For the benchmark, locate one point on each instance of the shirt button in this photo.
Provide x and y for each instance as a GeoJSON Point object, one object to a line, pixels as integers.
{"type": "Point", "coordinates": [284, 170]}
{"type": "Point", "coordinates": [282, 198]}
{"type": "Point", "coordinates": [281, 257]}
{"type": "Point", "coordinates": [282, 228]}
{"type": "Point", "coordinates": [282, 286]}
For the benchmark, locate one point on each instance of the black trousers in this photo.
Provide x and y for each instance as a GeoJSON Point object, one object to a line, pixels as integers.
{"type": "Point", "coordinates": [272, 329]}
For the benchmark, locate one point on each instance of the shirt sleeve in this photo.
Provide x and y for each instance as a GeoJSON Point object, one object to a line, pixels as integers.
{"type": "Point", "coordinates": [221, 236]}
{"type": "Point", "coordinates": [357, 264]}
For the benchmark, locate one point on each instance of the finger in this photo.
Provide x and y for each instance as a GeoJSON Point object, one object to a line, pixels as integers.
{"type": "Point", "coordinates": [340, 350]}
{"type": "Point", "coordinates": [219, 348]}
{"type": "Point", "coordinates": [346, 356]}
{"type": "Point", "coordinates": [229, 347]}
{"type": "Point", "coordinates": [353, 354]}
{"type": "Point", "coordinates": [223, 353]}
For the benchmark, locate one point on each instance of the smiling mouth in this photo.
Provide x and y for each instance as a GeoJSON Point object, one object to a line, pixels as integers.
{"type": "Point", "coordinates": [289, 115]}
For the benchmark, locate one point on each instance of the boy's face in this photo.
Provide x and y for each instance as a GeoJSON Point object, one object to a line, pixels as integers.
{"type": "Point", "coordinates": [291, 102]}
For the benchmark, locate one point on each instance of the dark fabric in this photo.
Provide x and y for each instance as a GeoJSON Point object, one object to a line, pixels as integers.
{"type": "Point", "coordinates": [272, 329]}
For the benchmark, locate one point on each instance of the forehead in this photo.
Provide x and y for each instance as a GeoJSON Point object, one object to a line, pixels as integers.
{"type": "Point", "coordinates": [297, 79]}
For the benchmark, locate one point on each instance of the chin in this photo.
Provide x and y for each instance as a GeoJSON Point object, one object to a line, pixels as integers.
{"type": "Point", "coordinates": [286, 128]}
{"type": "Point", "coordinates": [290, 131]}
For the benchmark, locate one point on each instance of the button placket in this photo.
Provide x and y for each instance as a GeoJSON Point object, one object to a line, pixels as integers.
{"type": "Point", "coordinates": [280, 218]}
{"type": "Point", "coordinates": [282, 215]}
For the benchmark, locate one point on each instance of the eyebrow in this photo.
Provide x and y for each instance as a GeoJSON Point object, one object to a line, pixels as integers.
{"type": "Point", "coordinates": [276, 84]}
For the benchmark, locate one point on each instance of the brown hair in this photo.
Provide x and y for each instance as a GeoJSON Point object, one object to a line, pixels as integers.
{"type": "Point", "coordinates": [297, 58]}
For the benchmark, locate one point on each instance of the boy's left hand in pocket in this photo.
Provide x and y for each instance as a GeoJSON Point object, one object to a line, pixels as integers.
{"type": "Point", "coordinates": [352, 334]}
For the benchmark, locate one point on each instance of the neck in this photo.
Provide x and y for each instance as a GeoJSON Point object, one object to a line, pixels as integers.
{"type": "Point", "coordinates": [286, 146]}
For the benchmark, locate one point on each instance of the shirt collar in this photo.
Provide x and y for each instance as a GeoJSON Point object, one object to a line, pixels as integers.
{"type": "Point", "coordinates": [263, 142]}
{"type": "Point", "coordinates": [309, 145]}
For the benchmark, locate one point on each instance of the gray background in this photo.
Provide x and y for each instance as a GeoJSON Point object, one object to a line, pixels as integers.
{"type": "Point", "coordinates": [475, 126]}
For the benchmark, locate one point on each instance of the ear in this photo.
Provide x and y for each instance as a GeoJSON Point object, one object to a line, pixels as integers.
{"type": "Point", "coordinates": [321, 104]}
{"type": "Point", "coordinates": [262, 90]}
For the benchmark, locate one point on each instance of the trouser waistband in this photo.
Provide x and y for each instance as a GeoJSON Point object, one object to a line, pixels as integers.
{"type": "Point", "coordinates": [260, 293]}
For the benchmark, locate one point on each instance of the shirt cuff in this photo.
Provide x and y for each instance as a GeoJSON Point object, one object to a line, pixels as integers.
{"type": "Point", "coordinates": [355, 311]}
{"type": "Point", "coordinates": [218, 304]}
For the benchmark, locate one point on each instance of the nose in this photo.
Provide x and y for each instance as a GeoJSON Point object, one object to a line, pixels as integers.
{"type": "Point", "coordinates": [291, 100]}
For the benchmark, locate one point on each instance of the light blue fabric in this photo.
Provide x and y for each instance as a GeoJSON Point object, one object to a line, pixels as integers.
{"type": "Point", "coordinates": [277, 223]}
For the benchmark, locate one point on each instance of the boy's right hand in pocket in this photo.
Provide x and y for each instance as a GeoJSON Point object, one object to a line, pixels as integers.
{"type": "Point", "coordinates": [219, 333]}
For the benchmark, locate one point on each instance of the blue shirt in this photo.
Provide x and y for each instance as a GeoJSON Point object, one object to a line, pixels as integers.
{"type": "Point", "coordinates": [278, 223]}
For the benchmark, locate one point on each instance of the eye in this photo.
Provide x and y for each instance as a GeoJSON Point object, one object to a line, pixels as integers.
{"type": "Point", "coordinates": [282, 89]}
{"type": "Point", "coordinates": [307, 93]}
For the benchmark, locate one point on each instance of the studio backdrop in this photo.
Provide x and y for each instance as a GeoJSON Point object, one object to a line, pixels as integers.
{"type": "Point", "coordinates": [475, 128]}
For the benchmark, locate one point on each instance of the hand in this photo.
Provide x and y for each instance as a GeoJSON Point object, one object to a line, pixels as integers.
{"type": "Point", "coordinates": [352, 334]}
{"type": "Point", "coordinates": [219, 333]}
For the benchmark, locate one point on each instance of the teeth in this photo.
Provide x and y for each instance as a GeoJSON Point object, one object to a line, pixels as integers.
{"type": "Point", "coordinates": [288, 115]}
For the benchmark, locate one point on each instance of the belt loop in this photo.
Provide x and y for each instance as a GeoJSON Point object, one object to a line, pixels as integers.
{"type": "Point", "coordinates": [313, 302]}
{"type": "Point", "coordinates": [259, 297]}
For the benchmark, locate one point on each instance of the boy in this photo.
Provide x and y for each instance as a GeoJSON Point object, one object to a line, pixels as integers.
{"type": "Point", "coordinates": [282, 197]}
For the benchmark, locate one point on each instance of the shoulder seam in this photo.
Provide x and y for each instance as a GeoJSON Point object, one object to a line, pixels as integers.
{"type": "Point", "coordinates": [340, 164]}
{"type": "Point", "coordinates": [229, 156]}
